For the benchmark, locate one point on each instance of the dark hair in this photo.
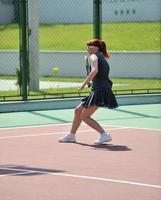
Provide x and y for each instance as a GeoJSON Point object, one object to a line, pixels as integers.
{"type": "Point", "coordinates": [101, 44]}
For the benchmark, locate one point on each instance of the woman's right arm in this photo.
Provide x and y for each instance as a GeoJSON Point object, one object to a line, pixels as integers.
{"type": "Point", "coordinates": [94, 71]}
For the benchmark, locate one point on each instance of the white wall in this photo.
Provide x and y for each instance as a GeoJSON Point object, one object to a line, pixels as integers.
{"type": "Point", "coordinates": [9, 60]}
{"type": "Point", "coordinates": [131, 10]}
{"type": "Point", "coordinates": [81, 11]}
{"type": "Point", "coordinates": [122, 64]}
{"type": "Point", "coordinates": [112, 10]}
{"type": "Point", "coordinates": [136, 64]}
{"type": "Point", "coordinates": [6, 13]}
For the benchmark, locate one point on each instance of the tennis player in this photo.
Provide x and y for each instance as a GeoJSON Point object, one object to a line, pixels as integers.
{"type": "Point", "coordinates": [101, 93]}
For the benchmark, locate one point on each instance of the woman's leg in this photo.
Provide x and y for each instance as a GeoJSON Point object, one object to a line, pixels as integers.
{"type": "Point", "coordinates": [84, 114]}
{"type": "Point", "coordinates": [86, 117]}
{"type": "Point", "coordinates": [77, 120]}
{"type": "Point", "coordinates": [70, 137]}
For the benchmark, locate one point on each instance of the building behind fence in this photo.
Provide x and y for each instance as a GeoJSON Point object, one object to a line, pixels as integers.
{"type": "Point", "coordinates": [67, 11]}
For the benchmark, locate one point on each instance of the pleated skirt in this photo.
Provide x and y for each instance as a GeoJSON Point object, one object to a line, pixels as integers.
{"type": "Point", "coordinates": [103, 97]}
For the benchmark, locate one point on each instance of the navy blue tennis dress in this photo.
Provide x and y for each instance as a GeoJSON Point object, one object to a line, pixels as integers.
{"type": "Point", "coordinates": [101, 92]}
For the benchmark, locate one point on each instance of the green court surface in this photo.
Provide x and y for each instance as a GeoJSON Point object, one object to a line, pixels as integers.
{"type": "Point", "coordinates": [142, 116]}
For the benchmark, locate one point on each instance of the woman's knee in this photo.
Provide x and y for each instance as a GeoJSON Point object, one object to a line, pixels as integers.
{"type": "Point", "coordinates": [78, 110]}
{"type": "Point", "coordinates": [83, 116]}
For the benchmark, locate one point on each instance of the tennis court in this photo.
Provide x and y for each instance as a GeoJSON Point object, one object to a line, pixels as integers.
{"type": "Point", "coordinates": [33, 165]}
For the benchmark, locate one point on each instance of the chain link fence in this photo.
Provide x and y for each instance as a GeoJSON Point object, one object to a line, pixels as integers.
{"type": "Point", "coordinates": [58, 32]}
{"type": "Point", "coordinates": [9, 48]}
{"type": "Point", "coordinates": [133, 37]}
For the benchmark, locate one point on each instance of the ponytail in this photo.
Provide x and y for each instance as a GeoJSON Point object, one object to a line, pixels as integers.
{"type": "Point", "coordinates": [104, 50]}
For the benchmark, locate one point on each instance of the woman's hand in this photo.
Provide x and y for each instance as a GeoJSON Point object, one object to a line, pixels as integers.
{"type": "Point", "coordinates": [81, 87]}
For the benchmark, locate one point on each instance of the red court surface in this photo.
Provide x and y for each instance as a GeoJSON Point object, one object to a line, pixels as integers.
{"type": "Point", "coordinates": [34, 166]}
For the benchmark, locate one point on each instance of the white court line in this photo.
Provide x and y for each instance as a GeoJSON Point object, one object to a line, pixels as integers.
{"type": "Point", "coordinates": [36, 126]}
{"type": "Point", "coordinates": [133, 127]}
{"type": "Point", "coordinates": [63, 124]}
{"type": "Point", "coordinates": [48, 134]}
{"type": "Point", "coordinates": [84, 177]}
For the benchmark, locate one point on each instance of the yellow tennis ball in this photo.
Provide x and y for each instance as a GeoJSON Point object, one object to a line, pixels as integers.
{"type": "Point", "coordinates": [55, 70]}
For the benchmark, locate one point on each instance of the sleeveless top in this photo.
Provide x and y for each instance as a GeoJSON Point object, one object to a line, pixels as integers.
{"type": "Point", "coordinates": [101, 80]}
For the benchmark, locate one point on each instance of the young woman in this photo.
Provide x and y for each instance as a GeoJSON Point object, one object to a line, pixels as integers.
{"type": "Point", "coordinates": [101, 93]}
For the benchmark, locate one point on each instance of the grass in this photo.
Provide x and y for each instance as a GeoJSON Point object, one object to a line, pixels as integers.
{"type": "Point", "coordinates": [133, 36]}
{"type": "Point", "coordinates": [141, 36]}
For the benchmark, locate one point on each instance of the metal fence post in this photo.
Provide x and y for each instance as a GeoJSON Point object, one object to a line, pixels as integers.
{"type": "Point", "coordinates": [97, 19]}
{"type": "Point", "coordinates": [24, 63]}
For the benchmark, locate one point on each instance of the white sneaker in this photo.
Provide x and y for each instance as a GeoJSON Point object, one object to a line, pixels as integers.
{"type": "Point", "coordinates": [70, 138]}
{"type": "Point", "coordinates": [103, 138]}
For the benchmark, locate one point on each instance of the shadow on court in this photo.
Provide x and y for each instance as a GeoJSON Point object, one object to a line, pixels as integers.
{"type": "Point", "coordinates": [108, 147]}
{"type": "Point", "coordinates": [20, 170]}
{"type": "Point", "coordinates": [137, 114]}
{"type": "Point", "coordinates": [49, 117]}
